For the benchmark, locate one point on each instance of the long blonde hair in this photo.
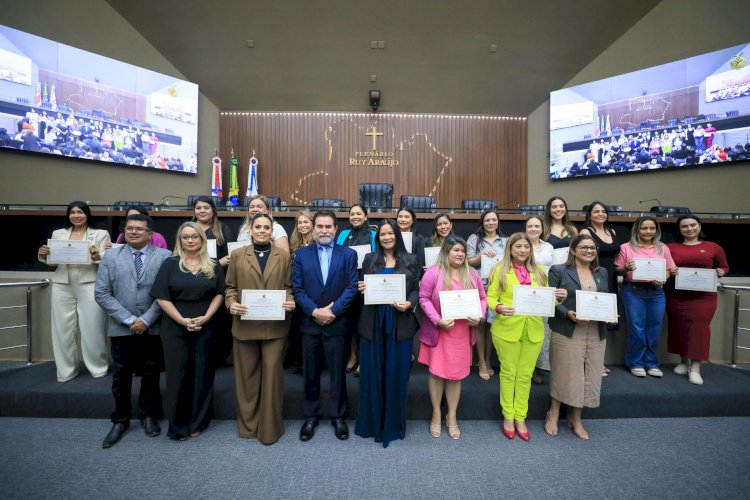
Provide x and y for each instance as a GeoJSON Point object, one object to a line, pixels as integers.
{"type": "Point", "coordinates": [443, 264]}
{"type": "Point", "coordinates": [207, 263]}
{"type": "Point", "coordinates": [297, 241]}
{"type": "Point", "coordinates": [505, 266]}
{"type": "Point", "coordinates": [248, 222]}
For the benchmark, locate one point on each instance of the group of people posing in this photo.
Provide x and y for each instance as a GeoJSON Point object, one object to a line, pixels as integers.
{"type": "Point", "coordinates": [173, 311]}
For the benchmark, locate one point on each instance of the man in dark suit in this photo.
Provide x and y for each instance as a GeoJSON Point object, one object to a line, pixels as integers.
{"type": "Point", "coordinates": [324, 279]}
{"type": "Point", "coordinates": [123, 285]}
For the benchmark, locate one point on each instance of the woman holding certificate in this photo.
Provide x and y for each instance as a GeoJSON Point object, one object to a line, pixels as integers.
{"type": "Point", "coordinates": [577, 348]}
{"type": "Point", "coordinates": [73, 304]}
{"type": "Point", "coordinates": [486, 244]}
{"type": "Point", "coordinates": [189, 288]}
{"type": "Point", "coordinates": [517, 337]}
{"type": "Point", "coordinates": [690, 309]}
{"type": "Point", "coordinates": [259, 204]}
{"type": "Point", "coordinates": [406, 218]}
{"type": "Point", "coordinates": [259, 269]}
{"type": "Point", "coordinates": [445, 339]}
{"type": "Point", "coordinates": [358, 235]}
{"type": "Point", "coordinates": [386, 332]}
{"type": "Point", "coordinates": [558, 230]}
{"type": "Point", "coordinates": [544, 254]}
{"type": "Point", "coordinates": [646, 264]}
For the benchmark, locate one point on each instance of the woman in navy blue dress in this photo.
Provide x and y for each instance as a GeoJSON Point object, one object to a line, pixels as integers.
{"type": "Point", "coordinates": [386, 333]}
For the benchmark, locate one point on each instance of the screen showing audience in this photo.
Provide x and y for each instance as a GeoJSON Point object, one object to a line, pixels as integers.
{"type": "Point", "coordinates": [688, 113]}
{"type": "Point", "coordinates": [59, 100]}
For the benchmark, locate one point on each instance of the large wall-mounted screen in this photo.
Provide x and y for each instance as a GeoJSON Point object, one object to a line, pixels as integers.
{"type": "Point", "coordinates": [688, 113]}
{"type": "Point", "coordinates": [59, 100]}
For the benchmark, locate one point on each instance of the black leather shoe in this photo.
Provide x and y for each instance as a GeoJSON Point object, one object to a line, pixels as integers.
{"type": "Point", "coordinates": [340, 428]}
{"type": "Point", "coordinates": [150, 427]}
{"type": "Point", "coordinates": [115, 434]}
{"type": "Point", "coordinates": [308, 430]}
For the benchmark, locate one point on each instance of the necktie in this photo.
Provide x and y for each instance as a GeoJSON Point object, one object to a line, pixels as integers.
{"type": "Point", "coordinates": [324, 263]}
{"type": "Point", "coordinates": [138, 264]}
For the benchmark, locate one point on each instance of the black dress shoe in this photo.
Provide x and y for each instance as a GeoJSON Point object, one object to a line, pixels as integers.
{"type": "Point", "coordinates": [115, 434]}
{"type": "Point", "coordinates": [308, 430]}
{"type": "Point", "coordinates": [340, 428]}
{"type": "Point", "coordinates": [150, 427]}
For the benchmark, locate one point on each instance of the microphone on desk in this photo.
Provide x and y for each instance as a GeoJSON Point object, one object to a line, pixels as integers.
{"type": "Point", "coordinates": [165, 203]}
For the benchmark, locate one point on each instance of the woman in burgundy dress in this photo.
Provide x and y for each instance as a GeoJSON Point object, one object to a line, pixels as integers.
{"type": "Point", "coordinates": [690, 312]}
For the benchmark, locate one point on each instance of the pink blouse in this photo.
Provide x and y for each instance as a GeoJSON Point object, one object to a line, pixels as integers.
{"type": "Point", "coordinates": [627, 254]}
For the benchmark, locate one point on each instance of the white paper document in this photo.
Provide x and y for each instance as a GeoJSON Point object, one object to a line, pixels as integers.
{"type": "Point", "coordinates": [69, 252]}
{"type": "Point", "coordinates": [534, 300]}
{"type": "Point", "coordinates": [596, 306]}
{"type": "Point", "coordinates": [488, 263]}
{"type": "Point", "coordinates": [650, 270]}
{"type": "Point", "coordinates": [264, 305]}
{"type": "Point", "coordinates": [560, 255]}
{"type": "Point", "coordinates": [408, 237]}
{"type": "Point", "coordinates": [234, 245]}
{"type": "Point", "coordinates": [385, 288]}
{"type": "Point", "coordinates": [361, 250]}
{"type": "Point", "coordinates": [431, 256]}
{"type": "Point", "coordinates": [460, 304]}
{"type": "Point", "coordinates": [696, 279]}
{"type": "Point", "coordinates": [211, 247]}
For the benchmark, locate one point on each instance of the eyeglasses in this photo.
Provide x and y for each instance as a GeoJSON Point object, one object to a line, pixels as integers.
{"type": "Point", "coordinates": [134, 229]}
{"type": "Point", "coordinates": [190, 237]}
{"type": "Point", "coordinates": [587, 249]}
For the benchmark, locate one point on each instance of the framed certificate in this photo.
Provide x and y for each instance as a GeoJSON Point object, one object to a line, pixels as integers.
{"type": "Point", "coordinates": [361, 250]}
{"type": "Point", "coordinates": [460, 304]}
{"type": "Point", "coordinates": [697, 279]}
{"type": "Point", "coordinates": [264, 305]}
{"type": "Point", "coordinates": [560, 255]}
{"type": "Point", "coordinates": [534, 300]}
{"type": "Point", "coordinates": [431, 256]}
{"type": "Point", "coordinates": [385, 288]}
{"type": "Point", "coordinates": [211, 247]}
{"type": "Point", "coordinates": [650, 270]}
{"type": "Point", "coordinates": [487, 264]}
{"type": "Point", "coordinates": [234, 245]}
{"type": "Point", "coordinates": [408, 237]}
{"type": "Point", "coordinates": [596, 306]}
{"type": "Point", "coordinates": [69, 252]}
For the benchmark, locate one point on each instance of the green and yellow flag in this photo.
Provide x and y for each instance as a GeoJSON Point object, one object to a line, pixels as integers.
{"type": "Point", "coordinates": [234, 186]}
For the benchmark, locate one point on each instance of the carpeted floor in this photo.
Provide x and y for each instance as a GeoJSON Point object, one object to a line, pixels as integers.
{"type": "Point", "coordinates": [625, 458]}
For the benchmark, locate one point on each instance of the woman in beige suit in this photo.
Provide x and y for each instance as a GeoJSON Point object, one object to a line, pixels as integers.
{"type": "Point", "coordinates": [73, 305]}
{"type": "Point", "coordinates": [259, 345]}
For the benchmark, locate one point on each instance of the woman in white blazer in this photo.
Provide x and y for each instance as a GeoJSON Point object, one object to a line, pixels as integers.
{"type": "Point", "coordinates": [73, 305]}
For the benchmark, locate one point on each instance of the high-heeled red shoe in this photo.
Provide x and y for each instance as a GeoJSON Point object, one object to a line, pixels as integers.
{"type": "Point", "coordinates": [509, 433]}
{"type": "Point", "coordinates": [523, 435]}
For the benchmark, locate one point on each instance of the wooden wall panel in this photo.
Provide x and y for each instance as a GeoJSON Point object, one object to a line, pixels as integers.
{"type": "Point", "coordinates": [303, 156]}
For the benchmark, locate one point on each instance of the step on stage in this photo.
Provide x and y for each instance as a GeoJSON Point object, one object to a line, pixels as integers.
{"type": "Point", "coordinates": [33, 391]}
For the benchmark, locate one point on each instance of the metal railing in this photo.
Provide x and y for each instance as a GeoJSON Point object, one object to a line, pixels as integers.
{"type": "Point", "coordinates": [28, 284]}
{"type": "Point", "coordinates": [736, 323]}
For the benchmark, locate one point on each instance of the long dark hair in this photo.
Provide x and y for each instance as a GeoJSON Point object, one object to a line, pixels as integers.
{"type": "Point", "coordinates": [435, 238]}
{"type": "Point", "coordinates": [215, 224]}
{"type": "Point", "coordinates": [481, 233]}
{"type": "Point", "coordinates": [404, 262]}
{"type": "Point", "coordinates": [84, 208]}
{"type": "Point", "coordinates": [569, 227]}
{"type": "Point", "coordinates": [678, 237]}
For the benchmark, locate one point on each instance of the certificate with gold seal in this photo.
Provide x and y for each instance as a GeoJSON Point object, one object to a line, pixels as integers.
{"type": "Point", "coordinates": [650, 270]}
{"type": "Point", "coordinates": [460, 304]}
{"type": "Point", "coordinates": [264, 305]}
{"type": "Point", "coordinates": [384, 288]}
{"type": "Point", "coordinates": [596, 306]}
{"type": "Point", "coordinates": [696, 279]}
{"type": "Point", "coordinates": [69, 252]}
{"type": "Point", "coordinates": [534, 300]}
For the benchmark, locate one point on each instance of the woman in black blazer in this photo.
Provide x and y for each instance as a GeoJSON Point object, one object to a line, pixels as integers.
{"type": "Point", "coordinates": [386, 333]}
{"type": "Point", "coordinates": [576, 383]}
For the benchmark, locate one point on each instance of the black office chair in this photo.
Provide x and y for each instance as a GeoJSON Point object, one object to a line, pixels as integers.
{"type": "Point", "coordinates": [273, 201]}
{"type": "Point", "coordinates": [375, 196]}
{"type": "Point", "coordinates": [664, 211]}
{"type": "Point", "coordinates": [329, 203]}
{"type": "Point", "coordinates": [611, 209]}
{"type": "Point", "coordinates": [478, 204]}
{"type": "Point", "coordinates": [531, 209]}
{"type": "Point", "coordinates": [417, 203]}
{"type": "Point", "coordinates": [192, 198]}
{"type": "Point", "coordinates": [124, 204]}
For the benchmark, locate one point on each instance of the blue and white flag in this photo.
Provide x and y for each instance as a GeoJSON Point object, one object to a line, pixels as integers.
{"type": "Point", "coordinates": [252, 177]}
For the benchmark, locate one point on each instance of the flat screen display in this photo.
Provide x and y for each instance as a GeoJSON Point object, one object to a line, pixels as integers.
{"type": "Point", "coordinates": [688, 113]}
{"type": "Point", "coordinates": [59, 100]}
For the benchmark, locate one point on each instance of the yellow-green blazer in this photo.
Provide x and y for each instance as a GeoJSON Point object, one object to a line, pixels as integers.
{"type": "Point", "coordinates": [510, 328]}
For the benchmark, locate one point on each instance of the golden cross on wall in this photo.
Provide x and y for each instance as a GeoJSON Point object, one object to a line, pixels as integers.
{"type": "Point", "coordinates": [374, 135]}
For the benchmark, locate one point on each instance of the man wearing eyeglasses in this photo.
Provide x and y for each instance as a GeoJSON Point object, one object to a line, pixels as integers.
{"type": "Point", "coordinates": [123, 285]}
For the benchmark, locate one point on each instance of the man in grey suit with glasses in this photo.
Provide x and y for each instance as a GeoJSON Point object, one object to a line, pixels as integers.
{"type": "Point", "coordinates": [123, 283]}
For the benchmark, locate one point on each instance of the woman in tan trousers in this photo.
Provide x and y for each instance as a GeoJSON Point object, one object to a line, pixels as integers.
{"type": "Point", "coordinates": [259, 344]}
